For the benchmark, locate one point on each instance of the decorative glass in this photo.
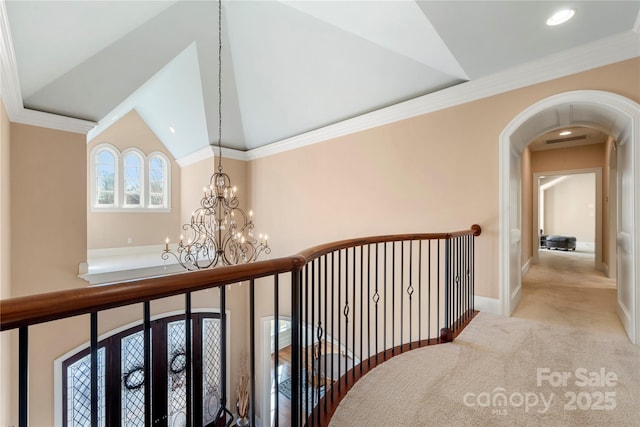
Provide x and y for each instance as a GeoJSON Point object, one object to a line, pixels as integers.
{"type": "Point", "coordinates": [79, 391]}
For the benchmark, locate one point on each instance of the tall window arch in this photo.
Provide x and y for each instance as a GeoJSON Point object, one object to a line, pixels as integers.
{"type": "Point", "coordinates": [133, 165]}
{"type": "Point", "coordinates": [129, 180]}
{"type": "Point", "coordinates": [121, 380]}
{"type": "Point", "coordinates": [105, 175]}
{"type": "Point", "coordinates": [158, 180]}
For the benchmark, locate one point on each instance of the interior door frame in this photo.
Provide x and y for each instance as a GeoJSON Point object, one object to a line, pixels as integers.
{"type": "Point", "coordinates": [535, 243]}
{"type": "Point", "coordinates": [622, 117]}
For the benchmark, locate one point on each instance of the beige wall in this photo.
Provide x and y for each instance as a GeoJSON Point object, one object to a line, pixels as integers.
{"type": "Point", "coordinates": [581, 157]}
{"type": "Point", "coordinates": [48, 209]}
{"type": "Point", "coordinates": [570, 208]}
{"type": "Point", "coordinates": [114, 229]}
{"type": "Point", "coordinates": [434, 172]}
{"type": "Point", "coordinates": [48, 212]}
{"type": "Point", "coordinates": [562, 159]}
{"type": "Point", "coordinates": [5, 263]}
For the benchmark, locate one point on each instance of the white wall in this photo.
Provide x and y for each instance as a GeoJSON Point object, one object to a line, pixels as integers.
{"type": "Point", "coordinates": [570, 208]}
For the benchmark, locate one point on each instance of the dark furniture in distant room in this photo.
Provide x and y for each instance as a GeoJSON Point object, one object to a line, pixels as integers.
{"type": "Point", "coordinates": [561, 242]}
{"type": "Point", "coordinates": [543, 240]}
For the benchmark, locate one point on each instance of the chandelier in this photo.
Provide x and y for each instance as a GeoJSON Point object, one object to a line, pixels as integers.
{"type": "Point", "coordinates": [220, 232]}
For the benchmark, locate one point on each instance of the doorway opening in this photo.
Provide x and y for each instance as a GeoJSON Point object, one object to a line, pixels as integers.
{"type": "Point", "coordinates": [567, 214]}
{"type": "Point", "coordinates": [613, 114]}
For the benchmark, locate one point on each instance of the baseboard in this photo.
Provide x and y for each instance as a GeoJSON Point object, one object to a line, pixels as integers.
{"type": "Point", "coordinates": [487, 305]}
{"type": "Point", "coordinates": [625, 319]}
{"type": "Point", "coordinates": [515, 299]}
{"type": "Point", "coordinates": [605, 269]}
{"type": "Point", "coordinates": [526, 266]}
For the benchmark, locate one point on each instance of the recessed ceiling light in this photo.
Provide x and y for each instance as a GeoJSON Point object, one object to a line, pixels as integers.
{"type": "Point", "coordinates": [561, 17]}
{"type": "Point", "coordinates": [565, 133]}
{"type": "Point", "coordinates": [172, 130]}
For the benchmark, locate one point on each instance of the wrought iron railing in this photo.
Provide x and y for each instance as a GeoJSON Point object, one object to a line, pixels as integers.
{"type": "Point", "coordinates": [352, 305]}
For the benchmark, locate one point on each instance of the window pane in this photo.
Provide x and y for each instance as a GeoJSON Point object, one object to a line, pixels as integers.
{"type": "Point", "coordinates": [132, 179]}
{"type": "Point", "coordinates": [157, 200]}
{"type": "Point", "coordinates": [210, 368]}
{"type": "Point", "coordinates": [105, 157]}
{"type": "Point", "coordinates": [105, 177]}
{"type": "Point", "coordinates": [133, 199]}
{"type": "Point", "coordinates": [79, 391]}
{"type": "Point", "coordinates": [157, 180]}
{"type": "Point", "coordinates": [133, 381]}
{"type": "Point", "coordinates": [176, 371]}
{"type": "Point", "coordinates": [105, 198]}
{"type": "Point", "coordinates": [155, 187]}
{"type": "Point", "coordinates": [156, 163]}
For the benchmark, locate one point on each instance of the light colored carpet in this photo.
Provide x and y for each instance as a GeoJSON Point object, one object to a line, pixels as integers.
{"type": "Point", "coordinates": [565, 288]}
{"type": "Point", "coordinates": [455, 384]}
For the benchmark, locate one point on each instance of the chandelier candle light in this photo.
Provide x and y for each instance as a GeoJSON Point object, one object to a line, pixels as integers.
{"type": "Point", "coordinates": [220, 232]}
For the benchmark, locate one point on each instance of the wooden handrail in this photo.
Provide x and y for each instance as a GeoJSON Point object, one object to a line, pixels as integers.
{"type": "Point", "coordinates": [317, 251]}
{"type": "Point", "coordinates": [33, 309]}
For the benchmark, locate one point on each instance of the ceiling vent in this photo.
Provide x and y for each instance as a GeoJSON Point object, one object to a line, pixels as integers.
{"type": "Point", "coordinates": [571, 138]}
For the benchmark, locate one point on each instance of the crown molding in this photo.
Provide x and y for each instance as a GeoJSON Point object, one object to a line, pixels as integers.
{"type": "Point", "coordinates": [603, 52]}
{"type": "Point", "coordinates": [613, 49]}
{"type": "Point", "coordinates": [209, 152]}
{"type": "Point", "coordinates": [12, 95]}
{"type": "Point", "coordinates": [53, 121]}
{"type": "Point", "coordinates": [10, 86]}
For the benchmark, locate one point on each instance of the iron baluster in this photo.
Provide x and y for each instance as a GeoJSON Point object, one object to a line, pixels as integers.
{"type": "Point", "coordinates": [23, 376]}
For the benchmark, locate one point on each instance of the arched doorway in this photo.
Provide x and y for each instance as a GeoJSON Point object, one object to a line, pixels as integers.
{"type": "Point", "coordinates": [614, 114]}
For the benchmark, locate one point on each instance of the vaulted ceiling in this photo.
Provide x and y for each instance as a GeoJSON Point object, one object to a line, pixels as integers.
{"type": "Point", "coordinates": [288, 67]}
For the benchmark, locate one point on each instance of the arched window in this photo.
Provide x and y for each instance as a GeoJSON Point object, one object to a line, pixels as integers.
{"type": "Point", "coordinates": [121, 380]}
{"type": "Point", "coordinates": [133, 179]}
{"type": "Point", "coordinates": [105, 176]}
{"type": "Point", "coordinates": [158, 181]}
{"type": "Point", "coordinates": [130, 181]}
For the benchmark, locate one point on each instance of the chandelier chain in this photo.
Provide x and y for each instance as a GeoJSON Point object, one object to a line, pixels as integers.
{"type": "Point", "coordinates": [220, 86]}
{"type": "Point", "coordinates": [220, 231]}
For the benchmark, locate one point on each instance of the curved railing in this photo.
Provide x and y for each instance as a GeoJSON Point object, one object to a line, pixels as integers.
{"type": "Point", "coordinates": [352, 305]}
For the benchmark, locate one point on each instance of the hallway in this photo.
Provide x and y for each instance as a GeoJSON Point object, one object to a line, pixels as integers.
{"type": "Point", "coordinates": [565, 288]}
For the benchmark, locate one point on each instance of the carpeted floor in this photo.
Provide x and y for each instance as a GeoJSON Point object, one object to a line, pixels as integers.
{"type": "Point", "coordinates": [555, 335]}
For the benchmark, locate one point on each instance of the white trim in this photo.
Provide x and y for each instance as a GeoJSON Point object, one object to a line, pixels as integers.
{"type": "Point", "coordinates": [628, 120]}
{"type": "Point", "coordinates": [624, 315]}
{"type": "Point", "coordinates": [202, 154]}
{"type": "Point", "coordinates": [52, 121]}
{"type": "Point", "coordinates": [12, 94]}
{"type": "Point", "coordinates": [609, 50]}
{"type": "Point", "coordinates": [132, 209]}
{"type": "Point", "coordinates": [602, 52]}
{"type": "Point", "coordinates": [93, 194]}
{"type": "Point", "coordinates": [526, 266]}
{"type": "Point", "coordinates": [119, 193]}
{"type": "Point", "coordinates": [487, 305]}
{"type": "Point", "coordinates": [166, 207]}
{"type": "Point", "coordinates": [9, 83]}
{"type": "Point", "coordinates": [209, 152]}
